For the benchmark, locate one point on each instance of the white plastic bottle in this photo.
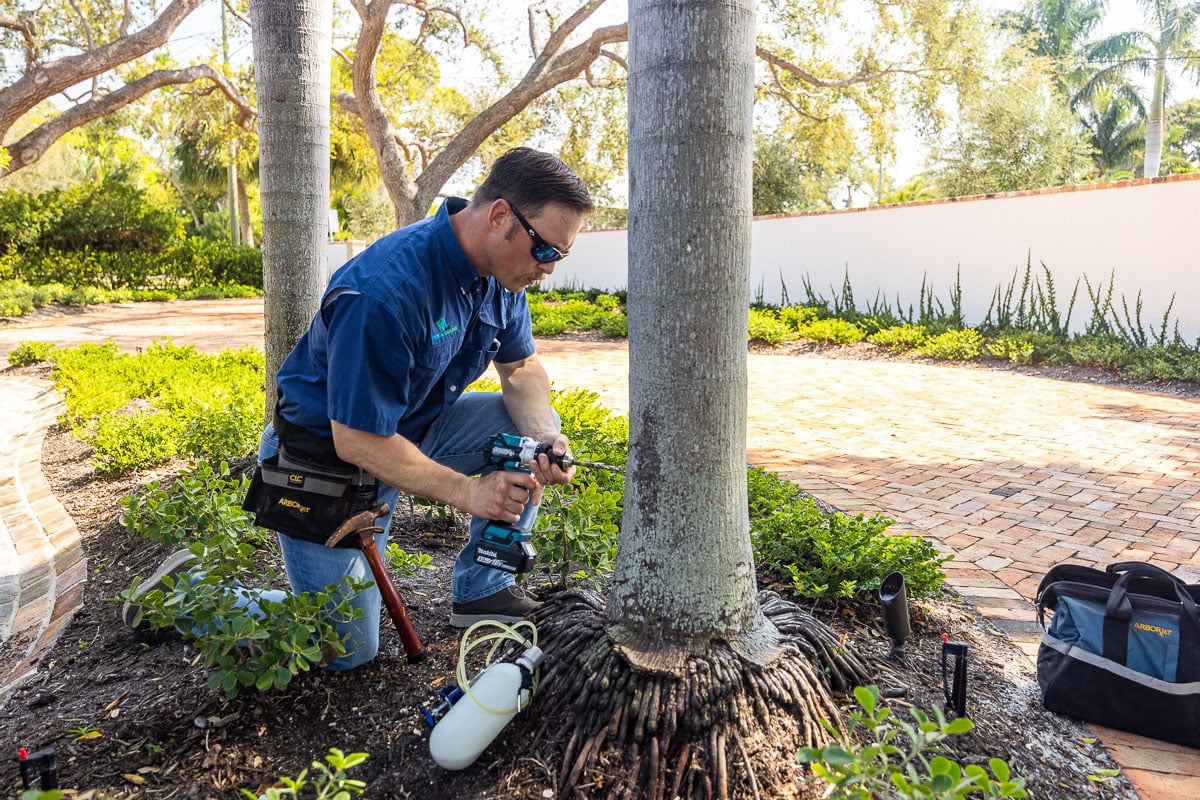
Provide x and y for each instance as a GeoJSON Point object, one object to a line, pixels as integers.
{"type": "Point", "coordinates": [467, 729]}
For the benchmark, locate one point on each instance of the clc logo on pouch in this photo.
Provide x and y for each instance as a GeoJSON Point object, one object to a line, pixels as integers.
{"type": "Point", "coordinates": [295, 480]}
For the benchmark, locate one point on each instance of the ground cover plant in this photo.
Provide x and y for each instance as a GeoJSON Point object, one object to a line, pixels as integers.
{"type": "Point", "coordinates": [143, 409]}
{"type": "Point", "coordinates": [18, 298]}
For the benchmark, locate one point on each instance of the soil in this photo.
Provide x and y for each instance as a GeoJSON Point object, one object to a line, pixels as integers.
{"type": "Point", "coordinates": [160, 733]}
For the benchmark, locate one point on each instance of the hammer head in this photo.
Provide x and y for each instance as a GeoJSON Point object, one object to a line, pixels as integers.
{"type": "Point", "coordinates": [362, 524]}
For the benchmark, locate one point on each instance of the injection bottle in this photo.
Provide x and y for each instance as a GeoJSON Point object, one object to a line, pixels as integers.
{"type": "Point", "coordinates": [471, 724]}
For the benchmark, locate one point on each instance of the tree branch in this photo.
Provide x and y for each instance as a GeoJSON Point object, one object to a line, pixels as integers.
{"type": "Point", "coordinates": [29, 148]}
{"type": "Point", "coordinates": [862, 76]}
{"type": "Point", "coordinates": [236, 14]}
{"type": "Point", "coordinates": [548, 70]}
{"type": "Point", "coordinates": [46, 80]}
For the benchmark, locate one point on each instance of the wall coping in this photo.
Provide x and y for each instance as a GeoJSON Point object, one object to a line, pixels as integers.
{"type": "Point", "coordinates": [1050, 190]}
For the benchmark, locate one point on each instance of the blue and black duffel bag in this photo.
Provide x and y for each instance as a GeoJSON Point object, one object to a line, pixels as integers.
{"type": "Point", "coordinates": [1122, 649]}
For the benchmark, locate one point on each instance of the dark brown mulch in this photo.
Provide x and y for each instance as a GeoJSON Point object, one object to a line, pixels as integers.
{"type": "Point", "coordinates": [162, 733]}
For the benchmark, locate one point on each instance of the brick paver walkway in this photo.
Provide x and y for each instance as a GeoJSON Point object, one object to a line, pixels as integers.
{"type": "Point", "coordinates": [1009, 473]}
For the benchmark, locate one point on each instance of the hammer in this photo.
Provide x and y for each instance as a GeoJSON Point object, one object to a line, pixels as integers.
{"type": "Point", "coordinates": [363, 525]}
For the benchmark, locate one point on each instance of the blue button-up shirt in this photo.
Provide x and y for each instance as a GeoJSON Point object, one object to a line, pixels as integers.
{"type": "Point", "coordinates": [404, 327]}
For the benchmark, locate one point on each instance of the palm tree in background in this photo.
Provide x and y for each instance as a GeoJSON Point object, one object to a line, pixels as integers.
{"type": "Point", "coordinates": [1060, 31]}
{"type": "Point", "coordinates": [1171, 37]}
{"type": "Point", "coordinates": [1115, 120]}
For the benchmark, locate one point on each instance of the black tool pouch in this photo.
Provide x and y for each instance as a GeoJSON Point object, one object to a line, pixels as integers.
{"type": "Point", "coordinates": [304, 499]}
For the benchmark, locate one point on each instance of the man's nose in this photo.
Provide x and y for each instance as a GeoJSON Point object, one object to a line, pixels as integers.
{"type": "Point", "coordinates": [546, 268]}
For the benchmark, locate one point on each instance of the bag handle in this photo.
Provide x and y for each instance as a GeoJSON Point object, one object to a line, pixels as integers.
{"type": "Point", "coordinates": [1118, 612]}
{"type": "Point", "coordinates": [1143, 568]}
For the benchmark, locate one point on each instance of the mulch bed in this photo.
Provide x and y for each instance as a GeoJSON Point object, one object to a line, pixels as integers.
{"type": "Point", "coordinates": [156, 731]}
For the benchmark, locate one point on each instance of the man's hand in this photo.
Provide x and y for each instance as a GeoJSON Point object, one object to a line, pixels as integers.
{"type": "Point", "coordinates": [501, 495]}
{"type": "Point", "coordinates": [547, 472]}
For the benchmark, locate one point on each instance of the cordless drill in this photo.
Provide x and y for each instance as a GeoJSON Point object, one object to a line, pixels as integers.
{"type": "Point", "coordinates": [510, 547]}
{"type": "Point", "coordinates": [503, 546]}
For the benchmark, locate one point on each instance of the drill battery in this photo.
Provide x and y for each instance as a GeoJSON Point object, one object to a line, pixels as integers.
{"type": "Point", "coordinates": [505, 548]}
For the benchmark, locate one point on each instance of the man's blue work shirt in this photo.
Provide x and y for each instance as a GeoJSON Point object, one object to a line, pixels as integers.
{"type": "Point", "coordinates": [404, 327]}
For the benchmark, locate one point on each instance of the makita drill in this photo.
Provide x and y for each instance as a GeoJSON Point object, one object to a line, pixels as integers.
{"type": "Point", "coordinates": [504, 546]}
{"type": "Point", "coordinates": [510, 547]}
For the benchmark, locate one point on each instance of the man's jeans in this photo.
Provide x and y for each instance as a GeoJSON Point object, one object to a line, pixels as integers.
{"type": "Point", "coordinates": [455, 440]}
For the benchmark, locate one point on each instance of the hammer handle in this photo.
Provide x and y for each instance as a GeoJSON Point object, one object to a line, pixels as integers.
{"type": "Point", "coordinates": [391, 599]}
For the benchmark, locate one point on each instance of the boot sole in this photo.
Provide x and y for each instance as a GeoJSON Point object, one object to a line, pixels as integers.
{"type": "Point", "coordinates": [467, 620]}
{"type": "Point", "coordinates": [172, 566]}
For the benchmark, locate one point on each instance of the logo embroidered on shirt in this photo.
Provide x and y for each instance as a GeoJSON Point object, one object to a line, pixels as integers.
{"type": "Point", "coordinates": [444, 329]}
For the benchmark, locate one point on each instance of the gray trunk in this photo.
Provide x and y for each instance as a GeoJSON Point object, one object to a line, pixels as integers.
{"type": "Point", "coordinates": [1154, 119]}
{"type": "Point", "coordinates": [685, 572]}
{"type": "Point", "coordinates": [292, 52]}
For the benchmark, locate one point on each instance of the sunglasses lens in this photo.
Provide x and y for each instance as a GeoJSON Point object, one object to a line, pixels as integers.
{"type": "Point", "coordinates": [546, 254]}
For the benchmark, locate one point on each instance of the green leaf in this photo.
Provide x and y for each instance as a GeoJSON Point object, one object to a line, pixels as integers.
{"type": "Point", "coordinates": [959, 726]}
{"type": "Point", "coordinates": [867, 697]}
{"type": "Point", "coordinates": [836, 754]}
{"type": "Point", "coordinates": [941, 783]}
{"type": "Point", "coordinates": [1000, 769]}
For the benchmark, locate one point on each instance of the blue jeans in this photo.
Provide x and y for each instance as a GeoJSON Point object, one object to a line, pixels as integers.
{"type": "Point", "coordinates": [454, 440]}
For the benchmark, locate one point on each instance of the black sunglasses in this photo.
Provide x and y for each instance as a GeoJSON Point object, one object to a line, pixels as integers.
{"type": "Point", "coordinates": [543, 251]}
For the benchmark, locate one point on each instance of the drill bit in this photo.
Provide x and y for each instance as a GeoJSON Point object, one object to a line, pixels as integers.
{"type": "Point", "coordinates": [570, 461]}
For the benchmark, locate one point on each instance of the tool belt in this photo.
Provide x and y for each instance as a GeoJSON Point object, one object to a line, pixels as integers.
{"type": "Point", "coordinates": [306, 492]}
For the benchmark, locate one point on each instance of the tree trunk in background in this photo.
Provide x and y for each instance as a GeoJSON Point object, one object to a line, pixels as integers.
{"type": "Point", "coordinates": [243, 201]}
{"type": "Point", "coordinates": [1154, 118]}
{"type": "Point", "coordinates": [292, 54]}
{"type": "Point", "coordinates": [685, 571]}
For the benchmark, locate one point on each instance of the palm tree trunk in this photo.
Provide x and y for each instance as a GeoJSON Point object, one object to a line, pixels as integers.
{"type": "Point", "coordinates": [292, 62]}
{"type": "Point", "coordinates": [1154, 119]}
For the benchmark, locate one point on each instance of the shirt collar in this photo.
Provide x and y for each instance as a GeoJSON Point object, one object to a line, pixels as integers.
{"type": "Point", "coordinates": [461, 266]}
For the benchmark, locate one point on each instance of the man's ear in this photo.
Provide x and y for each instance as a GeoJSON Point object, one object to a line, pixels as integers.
{"type": "Point", "coordinates": [499, 215]}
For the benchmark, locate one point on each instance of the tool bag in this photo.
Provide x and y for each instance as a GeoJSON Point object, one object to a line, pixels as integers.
{"type": "Point", "coordinates": [305, 499]}
{"type": "Point", "coordinates": [1122, 649]}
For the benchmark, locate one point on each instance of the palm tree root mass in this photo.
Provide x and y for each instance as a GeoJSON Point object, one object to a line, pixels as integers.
{"type": "Point", "coordinates": [725, 728]}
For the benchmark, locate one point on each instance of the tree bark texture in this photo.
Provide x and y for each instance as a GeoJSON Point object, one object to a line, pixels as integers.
{"type": "Point", "coordinates": [684, 574]}
{"type": "Point", "coordinates": [292, 62]}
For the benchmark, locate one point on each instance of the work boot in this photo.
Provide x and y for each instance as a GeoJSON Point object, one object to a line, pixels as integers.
{"type": "Point", "coordinates": [508, 605]}
{"type": "Point", "coordinates": [176, 565]}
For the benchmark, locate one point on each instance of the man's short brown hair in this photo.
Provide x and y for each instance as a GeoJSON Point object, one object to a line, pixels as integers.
{"type": "Point", "coordinates": [530, 180]}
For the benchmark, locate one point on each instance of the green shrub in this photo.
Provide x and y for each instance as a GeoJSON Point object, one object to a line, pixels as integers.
{"type": "Point", "coordinates": [577, 532]}
{"type": "Point", "coordinates": [795, 316]}
{"type": "Point", "coordinates": [1104, 351]}
{"type": "Point", "coordinates": [330, 783]}
{"type": "Point", "coordinates": [899, 338]}
{"type": "Point", "coordinates": [956, 345]}
{"type": "Point", "coordinates": [549, 323]}
{"type": "Point", "coordinates": [895, 759]}
{"type": "Point", "coordinates": [167, 401]}
{"type": "Point", "coordinates": [833, 555]}
{"type": "Point", "coordinates": [126, 443]}
{"type": "Point", "coordinates": [578, 524]}
{"type": "Point", "coordinates": [765, 326]}
{"type": "Point", "coordinates": [615, 324]}
{"type": "Point", "coordinates": [835, 331]}
{"type": "Point", "coordinates": [27, 353]}
{"type": "Point", "coordinates": [111, 216]}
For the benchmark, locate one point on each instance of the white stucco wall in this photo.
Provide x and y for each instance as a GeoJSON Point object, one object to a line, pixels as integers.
{"type": "Point", "coordinates": [1144, 234]}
